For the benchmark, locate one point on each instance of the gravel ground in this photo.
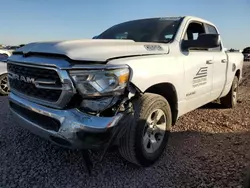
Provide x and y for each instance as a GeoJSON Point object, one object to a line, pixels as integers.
{"type": "Point", "coordinates": [209, 147]}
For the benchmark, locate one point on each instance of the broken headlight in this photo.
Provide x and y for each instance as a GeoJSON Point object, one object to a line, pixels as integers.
{"type": "Point", "coordinates": [98, 105]}
{"type": "Point", "coordinates": [100, 89]}
{"type": "Point", "coordinates": [100, 82]}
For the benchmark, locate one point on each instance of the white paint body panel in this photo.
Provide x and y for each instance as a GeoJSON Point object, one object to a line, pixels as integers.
{"type": "Point", "coordinates": [169, 65]}
{"type": "Point", "coordinates": [3, 66]}
{"type": "Point", "coordinates": [91, 50]}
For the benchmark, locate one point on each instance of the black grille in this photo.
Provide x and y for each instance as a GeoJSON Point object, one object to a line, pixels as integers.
{"type": "Point", "coordinates": [30, 89]}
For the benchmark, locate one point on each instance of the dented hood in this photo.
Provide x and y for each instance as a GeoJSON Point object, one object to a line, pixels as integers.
{"type": "Point", "coordinates": [94, 49]}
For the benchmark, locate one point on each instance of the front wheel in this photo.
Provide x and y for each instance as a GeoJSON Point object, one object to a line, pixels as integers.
{"type": "Point", "coordinates": [148, 130]}
{"type": "Point", "coordinates": [4, 88]}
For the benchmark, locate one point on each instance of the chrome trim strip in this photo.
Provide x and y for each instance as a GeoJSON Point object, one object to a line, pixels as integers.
{"type": "Point", "coordinates": [45, 81]}
{"type": "Point", "coordinates": [47, 84]}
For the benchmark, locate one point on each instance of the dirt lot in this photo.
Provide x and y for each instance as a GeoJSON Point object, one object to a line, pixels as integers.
{"type": "Point", "coordinates": [210, 147]}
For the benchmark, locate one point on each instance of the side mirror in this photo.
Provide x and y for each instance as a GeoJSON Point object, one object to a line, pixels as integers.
{"type": "Point", "coordinates": [204, 41]}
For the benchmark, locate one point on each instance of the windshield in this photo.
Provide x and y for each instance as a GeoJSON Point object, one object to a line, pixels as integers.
{"type": "Point", "coordinates": [145, 30]}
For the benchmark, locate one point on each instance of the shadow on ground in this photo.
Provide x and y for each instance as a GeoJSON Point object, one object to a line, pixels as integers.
{"type": "Point", "coordinates": [191, 159]}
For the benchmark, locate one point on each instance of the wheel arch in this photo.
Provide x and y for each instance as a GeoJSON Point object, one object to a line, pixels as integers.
{"type": "Point", "coordinates": [168, 91]}
{"type": "Point", "coordinates": [238, 73]}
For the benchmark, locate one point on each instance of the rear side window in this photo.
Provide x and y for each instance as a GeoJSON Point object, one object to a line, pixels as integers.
{"type": "Point", "coordinates": [212, 30]}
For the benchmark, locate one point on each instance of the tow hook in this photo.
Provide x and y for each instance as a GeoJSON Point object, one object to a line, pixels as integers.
{"type": "Point", "coordinates": [118, 131]}
{"type": "Point", "coordinates": [125, 107]}
{"type": "Point", "coordinates": [88, 165]}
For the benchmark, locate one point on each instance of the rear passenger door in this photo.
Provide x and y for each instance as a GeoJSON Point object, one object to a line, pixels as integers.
{"type": "Point", "coordinates": [219, 65]}
{"type": "Point", "coordinates": [198, 66]}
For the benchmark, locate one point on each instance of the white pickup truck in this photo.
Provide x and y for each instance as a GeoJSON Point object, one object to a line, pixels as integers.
{"type": "Point", "coordinates": [126, 87]}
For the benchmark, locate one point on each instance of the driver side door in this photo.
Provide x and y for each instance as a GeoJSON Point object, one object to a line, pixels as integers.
{"type": "Point", "coordinates": [198, 66]}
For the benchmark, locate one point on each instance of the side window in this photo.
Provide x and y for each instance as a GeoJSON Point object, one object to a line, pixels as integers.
{"type": "Point", "coordinates": [212, 30]}
{"type": "Point", "coordinates": [193, 31]}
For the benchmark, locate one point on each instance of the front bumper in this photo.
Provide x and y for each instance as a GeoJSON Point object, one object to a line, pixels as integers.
{"type": "Point", "coordinates": [69, 128]}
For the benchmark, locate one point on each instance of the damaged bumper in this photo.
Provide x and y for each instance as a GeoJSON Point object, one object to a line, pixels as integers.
{"type": "Point", "coordinates": [69, 128]}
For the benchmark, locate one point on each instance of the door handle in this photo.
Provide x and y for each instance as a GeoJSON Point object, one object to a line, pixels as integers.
{"type": "Point", "coordinates": [209, 62]}
{"type": "Point", "coordinates": [223, 61]}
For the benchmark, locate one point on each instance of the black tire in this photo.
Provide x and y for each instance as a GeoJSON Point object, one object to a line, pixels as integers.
{"type": "Point", "coordinates": [230, 100]}
{"type": "Point", "coordinates": [131, 145]}
{"type": "Point", "coordinates": [3, 81]}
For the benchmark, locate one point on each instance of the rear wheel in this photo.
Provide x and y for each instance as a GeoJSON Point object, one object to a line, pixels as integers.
{"type": "Point", "coordinates": [4, 89]}
{"type": "Point", "coordinates": [148, 131]}
{"type": "Point", "coordinates": [230, 100]}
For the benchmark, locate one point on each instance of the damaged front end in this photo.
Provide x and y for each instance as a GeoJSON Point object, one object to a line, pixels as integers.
{"type": "Point", "coordinates": [98, 101]}
{"type": "Point", "coordinates": [112, 95]}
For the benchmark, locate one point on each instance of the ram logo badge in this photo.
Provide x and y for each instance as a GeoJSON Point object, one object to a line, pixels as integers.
{"type": "Point", "coordinates": [25, 79]}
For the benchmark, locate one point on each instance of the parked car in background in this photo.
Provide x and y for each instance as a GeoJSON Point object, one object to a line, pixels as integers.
{"type": "Point", "coordinates": [4, 55]}
{"type": "Point", "coordinates": [246, 53]}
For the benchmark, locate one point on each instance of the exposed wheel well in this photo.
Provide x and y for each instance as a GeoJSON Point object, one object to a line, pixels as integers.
{"type": "Point", "coordinates": [168, 91]}
{"type": "Point", "coordinates": [237, 73]}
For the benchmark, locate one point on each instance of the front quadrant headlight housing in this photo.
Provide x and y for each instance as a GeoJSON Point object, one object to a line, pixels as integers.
{"type": "Point", "coordinates": [91, 83]}
{"type": "Point", "coordinates": [98, 104]}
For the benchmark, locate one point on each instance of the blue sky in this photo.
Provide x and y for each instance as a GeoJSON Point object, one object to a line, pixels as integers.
{"type": "Point", "coordinates": [26, 21]}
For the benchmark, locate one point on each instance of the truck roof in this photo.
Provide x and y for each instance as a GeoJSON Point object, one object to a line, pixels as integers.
{"type": "Point", "coordinates": [198, 19]}
{"type": "Point", "coordinates": [185, 18]}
